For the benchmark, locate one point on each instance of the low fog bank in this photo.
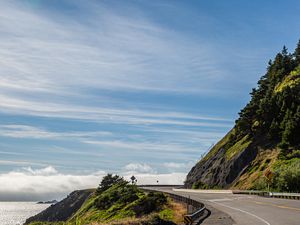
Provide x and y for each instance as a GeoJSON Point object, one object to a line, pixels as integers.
{"type": "Point", "coordinates": [47, 183]}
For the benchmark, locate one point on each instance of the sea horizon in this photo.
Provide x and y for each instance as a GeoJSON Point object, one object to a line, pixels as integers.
{"type": "Point", "coordinates": [16, 213]}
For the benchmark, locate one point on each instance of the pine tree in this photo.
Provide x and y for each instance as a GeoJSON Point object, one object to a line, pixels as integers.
{"type": "Point", "coordinates": [297, 53]}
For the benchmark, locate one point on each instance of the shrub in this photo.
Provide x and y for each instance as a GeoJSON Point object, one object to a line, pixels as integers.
{"type": "Point", "coordinates": [149, 203]}
{"type": "Point", "coordinates": [200, 185]}
{"type": "Point", "coordinates": [120, 193]}
{"type": "Point", "coordinates": [287, 177]}
{"type": "Point", "coordinates": [260, 184]}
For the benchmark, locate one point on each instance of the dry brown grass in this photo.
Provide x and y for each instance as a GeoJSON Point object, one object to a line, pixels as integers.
{"type": "Point", "coordinates": [179, 210]}
{"type": "Point", "coordinates": [247, 180]}
{"type": "Point", "coordinates": [127, 221]}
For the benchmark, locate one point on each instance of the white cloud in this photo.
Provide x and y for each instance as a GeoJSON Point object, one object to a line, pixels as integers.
{"type": "Point", "coordinates": [109, 115]}
{"type": "Point", "coordinates": [49, 170]}
{"type": "Point", "coordinates": [146, 145]}
{"type": "Point", "coordinates": [25, 131]}
{"type": "Point", "coordinates": [20, 163]}
{"type": "Point", "coordinates": [43, 184]}
{"type": "Point", "coordinates": [138, 168]}
{"type": "Point", "coordinates": [55, 66]}
{"type": "Point", "coordinates": [167, 178]}
{"type": "Point", "coordinates": [46, 183]}
{"type": "Point", "coordinates": [115, 140]}
{"type": "Point", "coordinates": [175, 166]}
{"type": "Point", "coordinates": [112, 53]}
{"type": "Point", "coordinates": [54, 55]}
{"type": "Point", "coordinates": [172, 165]}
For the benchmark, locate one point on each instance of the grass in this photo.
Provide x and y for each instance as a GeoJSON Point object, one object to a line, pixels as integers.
{"type": "Point", "coordinates": [266, 159]}
{"type": "Point", "coordinates": [124, 204]}
{"type": "Point", "coordinates": [280, 163]}
{"type": "Point", "coordinates": [292, 80]}
{"type": "Point", "coordinates": [174, 211]}
{"type": "Point", "coordinates": [219, 145]}
{"type": "Point", "coordinates": [238, 147]}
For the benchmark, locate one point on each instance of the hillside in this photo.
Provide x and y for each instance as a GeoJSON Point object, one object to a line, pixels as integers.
{"type": "Point", "coordinates": [64, 209]}
{"type": "Point", "coordinates": [115, 201]}
{"type": "Point", "coordinates": [263, 148]}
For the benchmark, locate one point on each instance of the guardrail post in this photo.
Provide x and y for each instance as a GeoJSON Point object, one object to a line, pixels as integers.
{"type": "Point", "coordinates": [188, 204]}
{"type": "Point", "coordinates": [187, 220]}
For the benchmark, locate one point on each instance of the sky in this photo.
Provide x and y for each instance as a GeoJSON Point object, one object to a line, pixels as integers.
{"type": "Point", "coordinates": [128, 87]}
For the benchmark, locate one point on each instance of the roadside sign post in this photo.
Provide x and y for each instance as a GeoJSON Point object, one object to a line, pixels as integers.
{"type": "Point", "coordinates": [268, 175]}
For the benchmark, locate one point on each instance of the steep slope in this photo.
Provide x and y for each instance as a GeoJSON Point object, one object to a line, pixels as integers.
{"type": "Point", "coordinates": [265, 141]}
{"type": "Point", "coordinates": [64, 209]}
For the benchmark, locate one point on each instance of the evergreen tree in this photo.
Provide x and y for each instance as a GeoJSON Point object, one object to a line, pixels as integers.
{"type": "Point", "coordinates": [274, 113]}
{"type": "Point", "coordinates": [297, 53]}
{"type": "Point", "coordinates": [108, 181]}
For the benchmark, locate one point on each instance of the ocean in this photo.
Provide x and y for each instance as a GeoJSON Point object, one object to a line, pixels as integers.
{"type": "Point", "coordinates": [15, 213]}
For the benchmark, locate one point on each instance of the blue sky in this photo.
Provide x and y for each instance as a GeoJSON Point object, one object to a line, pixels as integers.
{"type": "Point", "coordinates": [143, 87]}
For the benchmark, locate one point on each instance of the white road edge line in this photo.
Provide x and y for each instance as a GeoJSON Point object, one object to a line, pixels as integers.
{"type": "Point", "coordinates": [257, 217]}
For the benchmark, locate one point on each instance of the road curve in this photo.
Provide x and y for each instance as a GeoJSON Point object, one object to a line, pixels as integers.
{"type": "Point", "coordinates": [247, 209]}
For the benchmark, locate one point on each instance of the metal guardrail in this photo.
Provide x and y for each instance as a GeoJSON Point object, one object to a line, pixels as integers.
{"type": "Point", "coordinates": [251, 192]}
{"type": "Point", "coordinates": [160, 185]}
{"type": "Point", "coordinates": [191, 218]}
{"type": "Point", "coordinates": [285, 195]}
{"type": "Point", "coordinates": [197, 208]}
{"type": "Point", "coordinates": [195, 204]}
{"type": "Point", "coordinates": [269, 194]}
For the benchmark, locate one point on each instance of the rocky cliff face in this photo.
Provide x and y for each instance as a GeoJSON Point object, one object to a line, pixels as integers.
{"type": "Point", "coordinates": [218, 171]}
{"type": "Point", "coordinates": [64, 209]}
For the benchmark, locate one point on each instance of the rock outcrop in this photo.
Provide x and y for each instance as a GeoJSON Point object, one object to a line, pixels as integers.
{"type": "Point", "coordinates": [64, 209]}
{"type": "Point", "coordinates": [219, 172]}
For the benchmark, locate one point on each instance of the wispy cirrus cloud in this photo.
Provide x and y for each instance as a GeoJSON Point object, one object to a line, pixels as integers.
{"type": "Point", "coordinates": [25, 131]}
{"type": "Point", "coordinates": [99, 92]}
{"type": "Point", "coordinates": [158, 148]}
{"type": "Point", "coordinates": [60, 67]}
{"type": "Point", "coordinates": [108, 114]}
{"type": "Point", "coordinates": [112, 53]}
{"type": "Point", "coordinates": [21, 163]}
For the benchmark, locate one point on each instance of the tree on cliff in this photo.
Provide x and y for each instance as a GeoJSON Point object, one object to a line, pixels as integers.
{"type": "Point", "coordinates": [273, 111]}
{"type": "Point", "coordinates": [108, 181]}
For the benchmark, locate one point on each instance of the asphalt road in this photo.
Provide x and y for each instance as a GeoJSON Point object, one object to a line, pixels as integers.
{"type": "Point", "coordinates": [247, 209]}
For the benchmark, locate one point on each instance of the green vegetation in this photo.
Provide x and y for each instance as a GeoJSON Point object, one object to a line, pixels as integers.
{"type": "Point", "coordinates": [108, 181]}
{"type": "Point", "coordinates": [219, 145]}
{"type": "Point", "coordinates": [119, 202]}
{"type": "Point", "coordinates": [290, 81]}
{"type": "Point", "coordinates": [275, 106]}
{"type": "Point", "coordinates": [200, 185]}
{"type": "Point", "coordinates": [115, 200]}
{"type": "Point", "coordinates": [238, 147]}
{"type": "Point", "coordinates": [286, 177]}
{"type": "Point", "coordinates": [274, 110]}
{"type": "Point", "coordinates": [270, 122]}
{"type": "Point", "coordinates": [274, 115]}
